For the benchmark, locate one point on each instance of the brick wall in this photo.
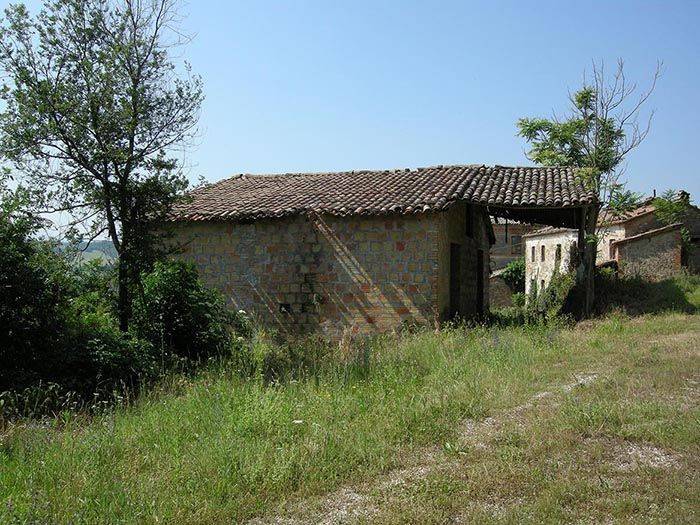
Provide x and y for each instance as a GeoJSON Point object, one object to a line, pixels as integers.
{"type": "Point", "coordinates": [654, 257]}
{"type": "Point", "coordinates": [452, 228]}
{"type": "Point", "coordinates": [330, 274]}
{"type": "Point", "coordinates": [300, 275]}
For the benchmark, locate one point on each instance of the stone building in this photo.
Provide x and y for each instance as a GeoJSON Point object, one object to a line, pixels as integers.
{"type": "Point", "coordinates": [547, 251]}
{"type": "Point", "coordinates": [509, 244]}
{"type": "Point", "coordinates": [654, 254]}
{"type": "Point", "coordinates": [637, 241]}
{"type": "Point", "coordinates": [363, 251]}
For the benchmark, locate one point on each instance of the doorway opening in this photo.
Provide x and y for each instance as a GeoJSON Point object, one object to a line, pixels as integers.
{"type": "Point", "coordinates": [455, 279]}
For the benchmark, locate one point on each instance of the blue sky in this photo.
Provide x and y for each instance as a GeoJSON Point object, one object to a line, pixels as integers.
{"type": "Point", "coordinates": [329, 85]}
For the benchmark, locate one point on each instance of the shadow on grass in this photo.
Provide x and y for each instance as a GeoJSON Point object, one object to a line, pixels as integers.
{"type": "Point", "coordinates": [636, 296]}
{"type": "Point", "coordinates": [631, 295]}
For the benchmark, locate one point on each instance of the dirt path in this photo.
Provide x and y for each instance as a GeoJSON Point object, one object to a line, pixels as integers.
{"type": "Point", "coordinates": [354, 502]}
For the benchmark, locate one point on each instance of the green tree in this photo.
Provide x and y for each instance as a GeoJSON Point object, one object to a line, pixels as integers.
{"type": "Point", "coordinates": [514, 274]}
{"type": "Point", "coordinates": [96, 110]}
{"type": "Point", "coordinates": [673, 207]}
{"type": "Point", "coordinates": [603, 125]}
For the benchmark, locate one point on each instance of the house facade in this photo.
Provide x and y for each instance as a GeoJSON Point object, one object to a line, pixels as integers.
{"type": "Point", "coordinates": [363, 252]}
{"type": "Point", "coordinates": [637, 241]}
{"type": "Point", "coordinates": [547, 252]}
{"type": "Point", "coordinates": [304, 274]}
{"type": "Point", "coordinates": [655, 254]}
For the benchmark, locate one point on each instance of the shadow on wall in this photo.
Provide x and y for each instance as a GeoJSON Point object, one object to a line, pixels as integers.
{"type": "Point", "coordinates": [637, 296]}
{"type": "Point", "coordinates": [304, 275]}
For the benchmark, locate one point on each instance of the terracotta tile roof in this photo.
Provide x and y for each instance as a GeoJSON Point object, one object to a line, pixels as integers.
{"type": "Point", "coordinates": [608, 217]}
{"type": "Point", "coordinates": [605, 218]}
{"type": "Point", "coordinates": [247, 197]}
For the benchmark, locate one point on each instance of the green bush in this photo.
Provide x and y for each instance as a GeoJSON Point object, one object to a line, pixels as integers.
{"type": "Point", "coordinates": [180, 317]}
{"type": "Point", "coordinates": [519, 299]}
{"type": "Point", "coordinates": [102, 358]}
{"type": "Point", "coordinates": [552, 304]}
{"type": "Point", "coordinates": [553, 301]}
{"type": "Point", "coordinates": [514, 275]}
{"type": "Point", "coordinates": [635, 295]}
{"type": "Point", "coordinates": [33, 300]}
{"type": "Point", "coordinates": [61, 346]}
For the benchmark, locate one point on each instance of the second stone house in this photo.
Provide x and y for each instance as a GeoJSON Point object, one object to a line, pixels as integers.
{"type": "Point", "coordinates": [637, 241]}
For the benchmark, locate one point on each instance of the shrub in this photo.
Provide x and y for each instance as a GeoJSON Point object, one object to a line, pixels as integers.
{"type": "Point", "coordinates": [635, 295]}
{"type": "Point", "coordinates": [32, 303]}
{"type": "Point", "coordinates": [100, 358]}
{"type": "Point", "coordinates": [551, 303]}
{"type": "Point", "coordinates": [179, 316]}
{"type": "Point", "coordinates": [514, 275]}
{"type": "Point", "coordinates": [61, 346]}
{"type": "Point", "coordinates": [519, 299]}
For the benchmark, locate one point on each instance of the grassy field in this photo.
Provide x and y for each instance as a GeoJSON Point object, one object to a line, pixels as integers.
{"type": "Point", "coordinates": [599, 422]}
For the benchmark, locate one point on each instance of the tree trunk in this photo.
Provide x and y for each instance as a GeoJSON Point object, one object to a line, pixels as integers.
{"type": "Point", "coordinates": [124, 304]}
{"type": "Point", "coordinates": [591, 253]}
{"type": "Point", "coordinates": [588, 250]}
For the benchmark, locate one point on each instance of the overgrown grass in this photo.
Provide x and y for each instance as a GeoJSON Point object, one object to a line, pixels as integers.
{"type": "Point", "coordinates": [217, 448]}
{"type": "Point", "coordinates": [624, 449]}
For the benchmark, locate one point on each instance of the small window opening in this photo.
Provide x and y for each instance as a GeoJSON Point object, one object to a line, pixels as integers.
{"type": "Point", "coordinates": [533, 254]}
{"type": "Point", "coordinates": [542, 254]}
{"type": "Point", "coordinates": [557, 254]}
{"type": "Point", "coordinates": [285, 308]}
{"type": "Point", "coordinates": [542, 285]}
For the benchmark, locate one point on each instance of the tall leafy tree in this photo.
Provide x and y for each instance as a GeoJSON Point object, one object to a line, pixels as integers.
{"type": "Point", "coordinates": [96, 109]}
{"type": "Point", "coordinates": [603, 125]}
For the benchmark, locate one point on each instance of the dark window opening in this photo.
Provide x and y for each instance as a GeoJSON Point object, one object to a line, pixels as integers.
{"type": "Point", "coordinates": [533, 254]}
{"type": "Point", "coordinates": [285, 308]}
{"type": "Point", "coordinates": [542, 255]}
{"type": "Point", "coordinates": [542, 285]}
{"type": "Point", "coordinates": [557, 254]}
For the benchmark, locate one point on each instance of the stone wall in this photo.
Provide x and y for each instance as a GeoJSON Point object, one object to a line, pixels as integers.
{"type": "Point", "coordinates": [452, 228]}
{"type": "Point", "coordinates": [539, 269]}
{"type": "Point", "coordinates": [329, 274]}
{"type": "Point", "coordinates": [642, 223]}
{"type": "Point", "coordinates": [500, 294]}
{"type": "Point", "coordinates": [654, 255]}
